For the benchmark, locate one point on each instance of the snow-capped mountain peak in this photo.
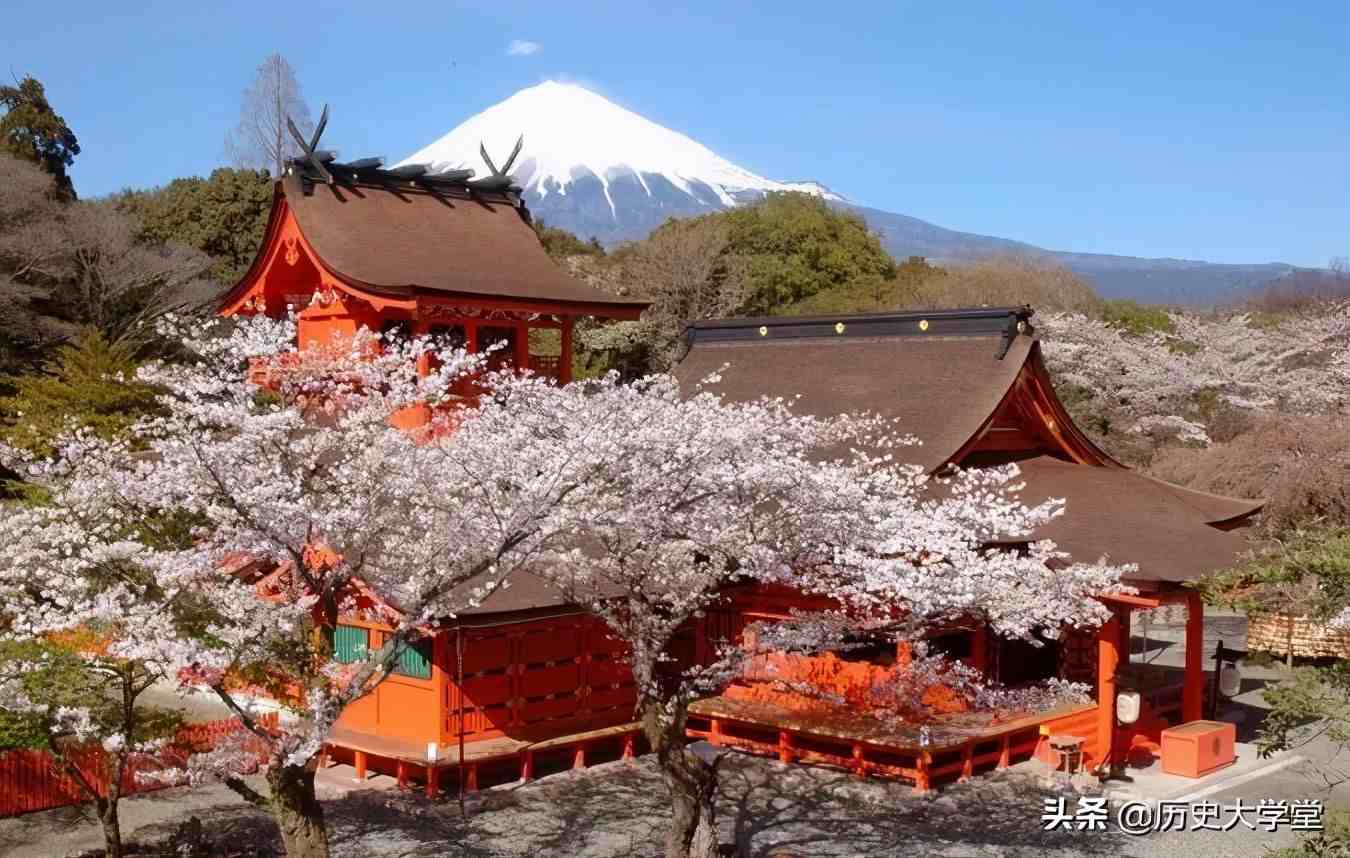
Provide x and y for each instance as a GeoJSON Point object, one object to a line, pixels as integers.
{"type": "Point", "coordinates": [576, 139]}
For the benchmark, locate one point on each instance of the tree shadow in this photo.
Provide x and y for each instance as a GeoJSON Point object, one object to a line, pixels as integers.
{"type": "Point", "coordinates": [794, 810]}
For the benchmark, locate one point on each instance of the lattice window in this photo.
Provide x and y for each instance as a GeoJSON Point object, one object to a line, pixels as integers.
{"type": "Point", "coordinates": [414, 660]}
{"type": "Point", "coordinates": [350, 644]}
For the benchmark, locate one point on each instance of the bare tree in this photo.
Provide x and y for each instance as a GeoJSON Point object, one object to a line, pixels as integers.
{"type": "Point", "coordinates": [64, 266]}
{"type": "Point", "coordinates": [688, 272]}
{"type": "Point", "coordinates": [260, 140]}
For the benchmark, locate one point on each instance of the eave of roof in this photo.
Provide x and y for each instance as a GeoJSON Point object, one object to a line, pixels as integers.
{"type": "Point", "coordinates": [439, 244]}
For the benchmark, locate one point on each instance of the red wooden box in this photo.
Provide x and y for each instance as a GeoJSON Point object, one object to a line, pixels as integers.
{"type": "Point", "coordinates": [1198, 748]}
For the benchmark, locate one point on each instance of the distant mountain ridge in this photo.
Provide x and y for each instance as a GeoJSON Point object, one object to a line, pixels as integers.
{"type": "Point", "coordinates": [596, 169]}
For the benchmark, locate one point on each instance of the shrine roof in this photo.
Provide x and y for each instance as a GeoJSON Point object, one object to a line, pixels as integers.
{"type": "Point", "coordinates": [939, 374]}
{"type": "Point", "coordinates": [403, 237]}
{"type": "Point", "coordinates": [1132, 518]}
{"type": "Point", "coordinates": [942, 375]}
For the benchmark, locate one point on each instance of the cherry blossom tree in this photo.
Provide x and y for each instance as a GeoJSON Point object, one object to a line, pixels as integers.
{"type": "Point", "coordinates": [86, 688]}
{"type": "Point", "coordinates": [678, 496]}
{"type": "Point", "coordinates": [302, 474]}
{"type": "Point", "coordinates": [641, 501]}
{"type": "Point", "coordinates": [1296, 364]}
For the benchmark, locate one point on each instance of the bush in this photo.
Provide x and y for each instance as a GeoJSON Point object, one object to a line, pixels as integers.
{"type": "Point", "coordinates": [560, 244]}
{"type": "Point", "coordinates": [1334, 842]}
{"type": "Point", "coordinates": [1005, 281]}
{"type": "Point", "coordinates": [89, 384]}
{"type": "Point", "coordinates": [1137, 319]}
{"type": "Point", "coordinates": [1299, 464]}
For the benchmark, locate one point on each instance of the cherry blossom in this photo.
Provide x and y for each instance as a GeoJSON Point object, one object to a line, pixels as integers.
{"type": "Point", "coordinates": [274, 493]}
{"type": "Point", "coordinates": [1300, 364]}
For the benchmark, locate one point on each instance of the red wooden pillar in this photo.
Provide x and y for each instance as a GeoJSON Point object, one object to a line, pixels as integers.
{"type": "Point", "coordinates": [433, 781]}
{"type": "Point", "coordinates": [527, 766]}
{"type": "Point", "coordinates": [522, 356]}
{"type": "Point", "coordinates": [579, 756]}
{"type": "Point", "coordinates": [565, 354]}
{"type": "Point", "coordinates": [979, 648]}
{"type": "Point", "coordinates": [1108, 659]}
{"type": "Point", "coordinates": [1192, 693]}
{"type": "Point", "coordinates": [922, 780]}
{"type": "Point", "coordinates": [359, 763]}
{"type": "Point", "coordinates": [629, 746]}
{"type": "Point", "coordinates": [784, 746]}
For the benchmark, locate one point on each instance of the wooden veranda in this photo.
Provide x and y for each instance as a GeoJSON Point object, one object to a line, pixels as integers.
{"type": "Point", "coordinates": [957, 745]}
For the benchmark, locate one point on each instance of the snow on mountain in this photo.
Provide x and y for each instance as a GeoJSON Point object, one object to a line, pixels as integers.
{"type": "Point", "coordinates": [598, 170]}
{"type": "Point", "coordinates": [576, 139]}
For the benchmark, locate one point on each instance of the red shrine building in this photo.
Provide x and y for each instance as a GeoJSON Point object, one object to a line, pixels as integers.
{"type": "Point", "coordinates": [526, 682]}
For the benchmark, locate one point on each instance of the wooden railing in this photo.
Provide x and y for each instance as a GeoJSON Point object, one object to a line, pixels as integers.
{"type": "Point", "coordinates": [32, 780]}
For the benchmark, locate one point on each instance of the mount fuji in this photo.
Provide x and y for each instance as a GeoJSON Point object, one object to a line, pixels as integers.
{"type": "Point", "coordinates": [596, 169]}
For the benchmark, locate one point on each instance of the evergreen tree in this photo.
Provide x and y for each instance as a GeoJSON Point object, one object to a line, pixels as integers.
{"type": "Point", "coordinates": [560, 243]}
{"type": "Point", "coordinates": [796, 245]}
{"type": "Point", "coordinates": [32, 131]}
{"type": "Point", "coordinates": [224, 216]}
{"type": "Point", "coordinates": [89, 384]}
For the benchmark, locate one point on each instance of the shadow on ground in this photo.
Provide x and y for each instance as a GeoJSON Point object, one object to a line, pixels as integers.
{"type": "Point", "coordinates": [619, 810]}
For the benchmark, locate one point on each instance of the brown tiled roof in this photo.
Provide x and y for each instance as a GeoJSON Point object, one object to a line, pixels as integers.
{"type": "Point", "coordinates": [400, 241]}
{"type": "Point", "coordinates": [940, 386]}
{"type": "Point", "coordinates": [942, 382]}
{"type": "Point", "coordinates": [1130, 518]}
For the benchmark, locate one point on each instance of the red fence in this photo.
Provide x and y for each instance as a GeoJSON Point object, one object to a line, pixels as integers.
{"type": "Point", "coordinates": [32, 780]}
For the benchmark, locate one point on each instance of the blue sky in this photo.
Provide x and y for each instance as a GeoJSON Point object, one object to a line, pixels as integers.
{"type": "Point", "coordinates": [1216, 131]}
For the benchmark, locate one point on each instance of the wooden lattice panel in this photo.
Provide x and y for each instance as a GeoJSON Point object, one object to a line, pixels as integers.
{"type": "Point", "coordinates": [1078, 656]}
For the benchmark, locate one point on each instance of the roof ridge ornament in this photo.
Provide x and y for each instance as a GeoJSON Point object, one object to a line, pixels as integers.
{"type": "Point", "coordinates": [321, 165]}
{"type": "Point", "coordinates": [500, 180]}
{"type": "Point", "coordinates": [311, 149]}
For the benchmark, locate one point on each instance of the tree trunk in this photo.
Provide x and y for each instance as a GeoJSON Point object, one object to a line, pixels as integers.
{"type": "Point", "coordinates": [691, 780]}
{"type": "Point", "coordinates": [298, 813]}
{"type": "Point", "coordinates": [112, 829]}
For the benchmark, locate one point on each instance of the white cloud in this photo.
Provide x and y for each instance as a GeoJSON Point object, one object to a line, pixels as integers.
{"type": "Point", "coordinates": [523, 48]}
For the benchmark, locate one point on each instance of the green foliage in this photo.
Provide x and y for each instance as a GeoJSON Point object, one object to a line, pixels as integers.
{"type": "Point", "coordinates": [1134, 318]}
{"type": "Point", "coordinates": [64, 676]}
{"type": "Point", "coordinates": [1334, 842]}
{"type": "Point", "coordinates": [796, 246]}
{"type": "Point", "coordinates": [89, 384]}
{"type": "Point", "coordinates": [559, 243]}
{"type": "Point", "coordinates": [871, 293]}
{"type": "Point", "coordinates": [32, 131]}
{"type": "Point", "coordinates": [1314, 701]}
{"type": "Point", "coordinates": [224, 216]}
{"type": "Point", "coordinates": [1307, 572]}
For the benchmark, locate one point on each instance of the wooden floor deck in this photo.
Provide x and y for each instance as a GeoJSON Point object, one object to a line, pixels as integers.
{"type": "Point", "coordinates": [957, 744]}
{"type": "Point", "coordinates": [410, 758]}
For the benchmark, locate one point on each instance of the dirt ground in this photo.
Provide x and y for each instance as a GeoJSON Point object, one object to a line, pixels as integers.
{"type": "Point", "coordinates": [767, 809]}
{"type": "Point", "coordinates": [619, 810]}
